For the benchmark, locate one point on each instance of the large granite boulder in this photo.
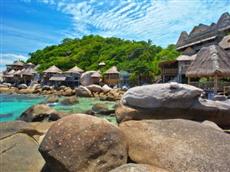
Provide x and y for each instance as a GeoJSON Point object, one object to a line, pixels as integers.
{"type": "Point", "coordinates": [171, 100]}
{"type": "Point", "coordinates": [83, 92]}
{"type": "Point", "coordinates": [137, 168]}
{"type": "Point", "coordinates": [177, 145]}
{"type": "Point", "coordinates": [22, 86]}
{"type": "Point", "coordinates": [95, 88]}
{"type": "Point", "coordinates": [86, 78]}
{"type": "Point", "coordinates": [83, 143]}
{"type": "Point", "coordinates": [52, 99]}
{"type": "Point", "coordinates": [19, 152]}
{"type": "Point", "coordinates": [69, 100]}
{"type": "Point", "coordinates": [14, 127]}
{"type": "Point", "coordinates": [169, 95]}
{"type": "Point", "coordinates": [100, 108]}
{"type": "Point", "coordinates": [40, 112]}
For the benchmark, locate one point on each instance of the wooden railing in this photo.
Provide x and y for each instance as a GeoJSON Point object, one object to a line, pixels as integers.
{"type": "Point", "coordinates": [209, 85]}
{"type": "Point", "coordinates": [169, 71]}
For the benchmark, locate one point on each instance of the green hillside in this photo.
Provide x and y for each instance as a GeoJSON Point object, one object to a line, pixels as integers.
{"type": "Point", "coordinates": [140, 58]}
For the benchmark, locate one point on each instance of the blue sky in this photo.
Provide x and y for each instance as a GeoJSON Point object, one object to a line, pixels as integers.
{"type": "Point", "coordinates": [28, 25]}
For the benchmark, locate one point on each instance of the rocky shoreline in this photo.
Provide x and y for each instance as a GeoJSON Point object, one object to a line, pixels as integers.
{"type": "Point", "coordinates": [103, 93]}
{"type": "Point", "coordinates": [147, 139]}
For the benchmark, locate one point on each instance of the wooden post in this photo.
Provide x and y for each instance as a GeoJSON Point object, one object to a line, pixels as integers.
{"type": "Point", "coordinates": [189, 80]}
{"type": "Point", "coordinates": [215, 84]}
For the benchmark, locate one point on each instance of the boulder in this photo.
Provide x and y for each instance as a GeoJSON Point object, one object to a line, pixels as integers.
{"type": "Point", "coordinates": [83, 143]}
{"type": "Point", "coordinates": [25, 91]}
{"type": "Point", "coordinates": [40, 112]}
{"type": "Point", "coordinates": [212, 125]}
{"type": "Point", "coordinates": [7, 84]}
{"type": "Point", "coordinates": [169, 95]}
{"type": "Point", "coordinates": [100, 108]}
{"type": "Point", "coordinates": [219, 98]}
{"type": "Point", "coordinates": [68, 92]}
{"type": "Point", "coordinates": [52, 99]}
{"type": "Point", "coordinates": [47, 88]}
{"type": "Point", "coordinates": [83, 92]}
{"type": "Point", "coordinates": [106, 88]}
{"type": "Point", "coordinates": [169, 101]}
{"type": "Point", "coordinates": [22, 86]}
{"type": "Point", "coordinates": [86, 78]}
{"type": "Point", "coordinates": [177, 145]}
{"type": "Point", "coordinates": [137, 168]}
{"type": "Point", "coordinates": [14, 127]}
{"type": "Point", "coordinates": [69, 100]}
{"type": "Point", "coordinates": [19, 152]}
{"type": "Point", "coordinates": [95, 88]}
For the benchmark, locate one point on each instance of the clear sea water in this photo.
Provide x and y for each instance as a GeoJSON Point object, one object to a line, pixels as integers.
{"type": "Point", "coordinates": [12, 106]}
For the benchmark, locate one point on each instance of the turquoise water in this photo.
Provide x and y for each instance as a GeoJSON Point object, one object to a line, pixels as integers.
{"type": "Point", "coordinates": [12, 106]}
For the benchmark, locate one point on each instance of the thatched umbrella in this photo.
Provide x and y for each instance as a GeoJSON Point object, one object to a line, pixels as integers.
{"type": "Point", "coordinates": [112, 70]}
{"type": "Point", "coordinates": [211, 61]}
{"type": "Point", "coordinates": [53, 69]}
{"type": "Point", "coordinates": [75, 69]}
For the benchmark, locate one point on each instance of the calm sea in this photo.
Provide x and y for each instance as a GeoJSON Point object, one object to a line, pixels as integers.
{"type": "Point", "coordinates": [12, 106]}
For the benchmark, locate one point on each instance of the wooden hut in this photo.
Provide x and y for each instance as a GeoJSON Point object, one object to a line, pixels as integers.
{"type": "Point", "coordinates": [50, 72]}
{"type": "Point", "coordinates": [184, 61]}
{"type": "Point", "coordinates": [111, 76]}
{"type": "Point", "coordinates": [28, 75]}
{"type": "Point", "coordinates": [168, 70]}
{"type": "Point", "coordinates": [17, 65]}
{"type": "Point", "coordinates": [73, 76]}
{"type": "Point", "coordinates": [211, 62]}
{"type": "Point", "coordinates": [96, 77]}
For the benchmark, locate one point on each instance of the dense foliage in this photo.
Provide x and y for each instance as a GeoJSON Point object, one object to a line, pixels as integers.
{"type": "Point", "coordinates": [140, 58]}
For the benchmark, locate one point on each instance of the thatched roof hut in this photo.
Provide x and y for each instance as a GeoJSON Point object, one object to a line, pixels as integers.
{"type": "Point", "coordinates": [101, 64]}
{"type": "Point", "coordinates": [29, 72]}
{"type": "Point", "coordinates": [17, 63]}
{"type": "Point", "coordinates": [225, 42]}
{"type": "Point", "coordinates": [112, 70]}
{"type": "Point", "coordinates": [210, 61]}
{"type": "Point", "coordinates": [53, 69]}
{"type": "Point", "coordinates": [96, 75]}
{"type": "Point", "coordinates": [75, 69]}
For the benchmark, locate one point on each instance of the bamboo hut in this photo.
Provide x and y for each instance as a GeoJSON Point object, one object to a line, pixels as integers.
{"type": "Point", "coordinates": [211, 62]}
{"type": "Point", "coordinates": [28, 75]}
{"type": "Point", "coordinates": [17, 65]}
{"type": "Point", "coordinates": [169, 70]}
{"type": "Point", "coordinates": [111, 76]}
{"type": "Point", "coordinates": [96, 77]}
{"type": "Point", "coordinates": [73, 76]}
{"type": "Point", "coordinates": [51, 71]}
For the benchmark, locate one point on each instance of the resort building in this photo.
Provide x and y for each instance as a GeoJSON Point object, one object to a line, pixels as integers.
{"type": "Point", "coordinates": [96, 77]}
{"type": "Point", "coordinates": [20, 73]}
{"type": "Point", "coordinates": [52, 75]}
{"type": "Point", "coordinates": [111, 76]}
{"type": "Point", "coordinates": [214, 40]}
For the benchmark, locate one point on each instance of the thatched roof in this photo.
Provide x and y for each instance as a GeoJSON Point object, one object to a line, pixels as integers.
{"type": "Point", "coordinates": [112, 70]}
{"type": "Point", "coordinates": [18, 72]}
{"type": "Point", "coordinates": [29, 71]}
{"type": "Point", "coordinates": [210, 61]}
{"type": "Point", "coordinates": [11, 72]}
{"type": "Point", "coordinates": [96, 74]}
{"type": "Point", "coordinates": [57, 78]}
{"type": "Point", "coordinates": [53, 69]}
{"type": "Point", "coordinates": [75, 69]}
{"type": "Point", "coordinates": [186, 58]}
{"type": "Point", "coordinates": [225, 42]}
{"type": "Point", "coordinates": [17, 63]}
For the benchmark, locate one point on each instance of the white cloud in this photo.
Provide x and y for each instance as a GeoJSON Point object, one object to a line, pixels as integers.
{"type": "Point", "coordinates": [8, 58]}
{"type": "Point", "coordinates": [159, 20]}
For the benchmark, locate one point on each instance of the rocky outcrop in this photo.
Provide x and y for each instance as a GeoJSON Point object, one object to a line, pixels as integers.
{"type": "Point", "coordinates": [137, 168]}
{"type": "Point", "coordinates": [19, 149]}
{"type": "Point", "coordinates": [83, 143]}
{"type": "Point", "coordinates": [95, 88]}
{"type": "Point", "coordinates": [100, 108]}
{"type": "Point", "coordinates": [19, 152]}
{"type": "Point", "coordinates": [40, 112]}
{"type": "Point", "coordinates": [83, 92]}
{"type": "Point", "coordinates": [177, 145]}
{"type": "Point", "coordinates": [22, 86]}
{"type": "Point", "coordinates": [86, 78]}
{"type": "Point", "coordinates": [52, 99]}
{"type": "Point", "coordinates": [69, 100]}
{"type": "Point", "coordinates": [171, 100]}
